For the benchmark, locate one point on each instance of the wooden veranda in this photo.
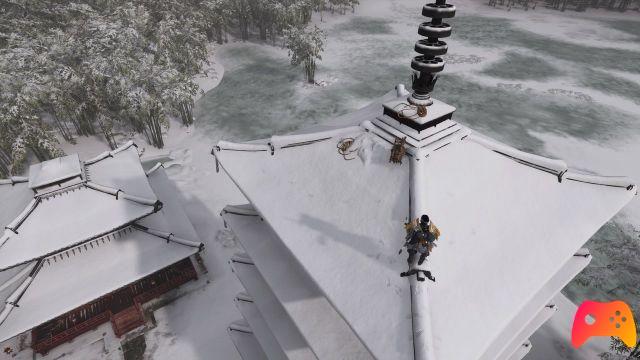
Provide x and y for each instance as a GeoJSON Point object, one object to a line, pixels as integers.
{"type": "Point", "coordinates": [123, 307]}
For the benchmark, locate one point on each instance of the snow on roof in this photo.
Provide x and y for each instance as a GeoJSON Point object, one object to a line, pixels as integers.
{"type": "Point", "coordinates": [171, 217]}
{"type": "Point", "coordinates": [513, 219]}
{"type": "Point", "coordinates": [245, 342]}
{"type": "Point", "coordinates": [120, 169]}
{"type": "Point", "coordinates": [106, 264]}
{"type": "Point", "coordinates": [14, 197]}
{"type": "Point", "coordinates": [522, 351]}
{"type": "Point", "coordinates": [282, 327]}
{"type": "Point", "coordinates": [115, 193]}
{"type": "Point", "coordinates": [11, 279]}
{"type": "Point", "coordinates": [323, 328]}
{"type": "Point", "coordinates": [331, 222]}
{"type": "Point", "coordinates": [519, 327]}
{"type": "Point", "coordinates": [88, 226]}
{"type": "Point", "coordinates": [513, 349]}
{"type": "Point", "coordinates": [54, 171]}
{"type": "Point", "coordinates": [260, 328]}
{"type": "Point", "coordinates": [69, 218]}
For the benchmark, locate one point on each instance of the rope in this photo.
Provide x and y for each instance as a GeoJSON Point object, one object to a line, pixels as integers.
{"type": "Point", "coordinates": [344, 146]}
{"type": "Point", "coordinates": [407, 107]}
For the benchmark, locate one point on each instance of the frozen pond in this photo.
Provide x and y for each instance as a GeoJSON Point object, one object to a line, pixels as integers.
{"type": "Point", "coordinates": [565, 86]}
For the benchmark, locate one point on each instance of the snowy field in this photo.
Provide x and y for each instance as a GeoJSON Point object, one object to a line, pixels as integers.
{"type": "Point", "coordinates": [560, 85]}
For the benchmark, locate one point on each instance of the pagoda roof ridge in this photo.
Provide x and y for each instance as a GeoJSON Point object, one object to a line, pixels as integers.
{"type": "Point", "coordinates": [285, 141]}
{"type": "Point", "coordinates": [108, 154]}
{"type": "Point", "coordinates": [14, 180]}
{"type": "Point", "coordinates": [170, 237]}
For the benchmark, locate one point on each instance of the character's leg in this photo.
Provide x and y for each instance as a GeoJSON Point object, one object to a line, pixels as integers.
{"type": "Point", "coordinates": [412, 256]}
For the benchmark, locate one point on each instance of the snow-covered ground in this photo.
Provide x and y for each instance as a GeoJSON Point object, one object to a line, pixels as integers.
{"type": "Point", "coordinates": [562, 85]}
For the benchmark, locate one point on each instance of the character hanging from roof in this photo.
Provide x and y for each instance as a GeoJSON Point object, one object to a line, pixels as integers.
{"type": "Point", "coordinates": [421, 238]}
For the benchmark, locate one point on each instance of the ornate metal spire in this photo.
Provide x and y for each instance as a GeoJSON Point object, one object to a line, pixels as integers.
{"type": "Point", "coordinates": [427, 65]}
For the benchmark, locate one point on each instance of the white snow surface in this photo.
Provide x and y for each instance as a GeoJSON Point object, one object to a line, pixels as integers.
{"type": "Point", "coordinates": [260, 328]}
{"type": "Point", "coordinates": [54, 170]}
{"type": "Point", "coordinates": [122, 172]}
{"type": "Point", "coordinates": [327, 224]}
{"type": "Point", "coordinates": [68, 218]}
{"type": "Point", "coordinates": [14, 198]}
{"type": "Point", "coordinates": [332, 224]}
{"type": "Point", "coordinates": [75, 213]}
{"type": "Point", "coordinates": [246, 343]}
{"type": "Point", "coordinates": [323, 328]}
{"type": "Point", "coordinates": [292, 344]}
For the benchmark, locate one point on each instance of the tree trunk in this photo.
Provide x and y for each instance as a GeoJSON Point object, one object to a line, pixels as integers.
{"type": "Point", "coordinates": [5, 164]}
{"type": "Point", "coordinates": [62, 127]}
{"type": "Point", "coordinates": [635, 352]}
{"type": "Point", "coordinates": [219, 34]}
{"type": "Point", "coordinates": [310, 70]}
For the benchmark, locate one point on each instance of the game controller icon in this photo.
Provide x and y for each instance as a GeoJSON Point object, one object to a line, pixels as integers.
{"type": "Point", "coordinates": [603, 319]}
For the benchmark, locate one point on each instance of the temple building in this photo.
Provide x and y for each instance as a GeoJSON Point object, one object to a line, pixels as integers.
{"type": "Point", "coordinates": [325, 222]}
{"type": "Point", "coordinates": [89, 242]}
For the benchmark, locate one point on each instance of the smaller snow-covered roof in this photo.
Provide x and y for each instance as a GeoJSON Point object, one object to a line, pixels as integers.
{"type": "Point", "coordinates": [75, 216]}
{"type": "Point", "coordinates": [259, 327]}
{"type": "Point", "coordinates": [54, 171]}
{"type": "Point", "coordinates": [293, 345]}
{"type": "Point", "coordinates": [53, 284]}
{"type": "Point", "coordinates": [84, 273]}
{"type": "Point", "coordinates": [318, 321]}
{"type": "Point", "coordinates": [15, 195]}
{"type": "Point", "coordinates": [120, 169]}
{"type": "Point", "coordinates": [111, 192]}
{"type": "Point", "coordinates": [245, 342]}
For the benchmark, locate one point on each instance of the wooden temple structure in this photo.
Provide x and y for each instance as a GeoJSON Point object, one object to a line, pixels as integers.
{"type": "Point", "coordinates": [89, 242]}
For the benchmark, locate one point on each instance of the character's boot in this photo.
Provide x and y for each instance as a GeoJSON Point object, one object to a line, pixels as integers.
{"type": "Point", "coordinates": [429, 276]}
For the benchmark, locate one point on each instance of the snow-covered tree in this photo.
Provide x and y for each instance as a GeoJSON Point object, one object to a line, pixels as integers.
{"type": "Point", "coordinates": [620, 351]}
{"type": "Point", "coordinates": [305, 46]}
{"type": "Point", "coordinates": [97, 67]}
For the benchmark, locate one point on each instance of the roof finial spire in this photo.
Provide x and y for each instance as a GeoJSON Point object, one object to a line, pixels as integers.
{"type": "Point", "coordinates": [427, 65]}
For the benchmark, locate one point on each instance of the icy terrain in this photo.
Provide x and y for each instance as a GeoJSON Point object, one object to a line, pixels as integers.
{"type": "Point", "coordinates": [560, 85]}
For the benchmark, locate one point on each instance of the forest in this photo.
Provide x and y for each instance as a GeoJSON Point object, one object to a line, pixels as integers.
{"type": "Point", "coordinates": [112, 67]}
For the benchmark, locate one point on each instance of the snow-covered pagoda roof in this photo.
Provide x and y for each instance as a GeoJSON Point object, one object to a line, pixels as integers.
{"type": "Point", "coordinates": [112, 221]}
{"type": "Point", "coordinates": [512, 225]}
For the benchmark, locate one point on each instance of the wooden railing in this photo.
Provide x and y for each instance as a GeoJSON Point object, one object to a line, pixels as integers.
{"type": "Point", "coordinates": [126, 305]}
{"type": "Point", "coordinates": [165, 287]}
{"type": "Point", "coordinates": [44, 346]}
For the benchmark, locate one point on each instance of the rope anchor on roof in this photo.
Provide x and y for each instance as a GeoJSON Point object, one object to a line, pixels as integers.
{"type": "Point", "coordinates": [398, 150]}
{"type": "Point", "coordinates": [344, 148]}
